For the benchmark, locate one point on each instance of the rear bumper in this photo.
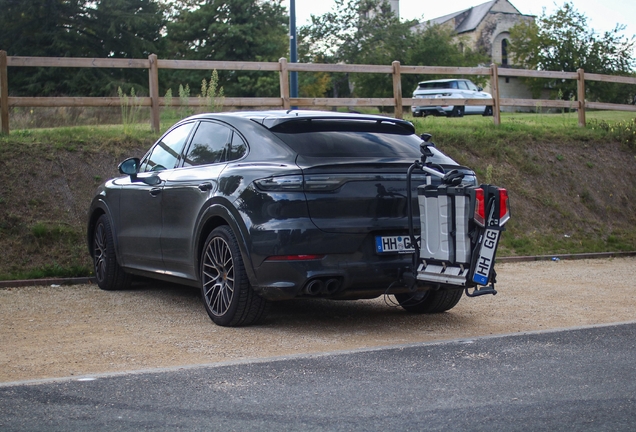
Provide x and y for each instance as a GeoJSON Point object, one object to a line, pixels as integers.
{"type": "Point", "coordinates": [334, 276]}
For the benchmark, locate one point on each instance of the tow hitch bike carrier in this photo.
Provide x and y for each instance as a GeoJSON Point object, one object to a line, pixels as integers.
{"type": "Point", "coordinates": [460, 229]}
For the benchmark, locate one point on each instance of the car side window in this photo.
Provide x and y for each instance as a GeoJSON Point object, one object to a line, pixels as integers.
{"type": "Point", "coordinates": [214, 143]}
{"type": "Point", "coordinates": [211, 144]}
{"type": "Point", "coordinates": [238, 148]}
{"type": "Point", "coordinates": [166, 152]}
{"type": "Point", "coordinates": [462, 85]}
{"type": "Point", "coordinates": [472, 86]}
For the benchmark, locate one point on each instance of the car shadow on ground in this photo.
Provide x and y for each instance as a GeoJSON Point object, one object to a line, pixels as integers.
{"type": "Point", "coordinates": [308, 314]}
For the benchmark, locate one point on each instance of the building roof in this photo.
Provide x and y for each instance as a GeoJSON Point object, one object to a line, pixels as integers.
{"type": "Point", "coordinates": [468, 19]}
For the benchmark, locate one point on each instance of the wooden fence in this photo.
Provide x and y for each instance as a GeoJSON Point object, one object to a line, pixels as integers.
{"type": "Point", "coordinates": [154, 101]}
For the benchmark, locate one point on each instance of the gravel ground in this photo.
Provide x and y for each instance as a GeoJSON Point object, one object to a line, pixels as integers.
{"type": "Point", "coordinates": [78, 330]}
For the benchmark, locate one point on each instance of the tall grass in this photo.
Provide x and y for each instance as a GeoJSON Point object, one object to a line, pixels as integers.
{"type": "Point", "coordinates": [211, 93]}
{"type": "Point", "coordinates": [130, 109]}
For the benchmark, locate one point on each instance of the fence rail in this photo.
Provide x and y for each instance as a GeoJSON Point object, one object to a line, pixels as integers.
{"type": "Point", "coordinates": [154, 101]}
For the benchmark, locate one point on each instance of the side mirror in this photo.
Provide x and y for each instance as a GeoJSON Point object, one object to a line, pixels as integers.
{"type": "Point", "coordinates": [480, 89]}
{"type": "Point", "coordinates": [129, 167]}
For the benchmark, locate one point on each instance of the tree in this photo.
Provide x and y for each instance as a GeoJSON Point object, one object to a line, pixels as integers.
{"type": "Point", "coordinates": [236, 30]}
{"type": "Point", "coordinates": [368, 32]}
{"type": "Point", "coordinates": [79, 28]}
{"type": "Point", "coordinates": [563, 41]}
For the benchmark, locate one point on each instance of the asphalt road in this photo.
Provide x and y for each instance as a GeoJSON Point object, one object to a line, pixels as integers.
{"type": "Point", "coordinates": [573, 380]}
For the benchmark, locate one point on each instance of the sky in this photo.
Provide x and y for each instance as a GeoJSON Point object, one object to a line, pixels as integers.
{"type": "Point", "coordinates": [603, 15]}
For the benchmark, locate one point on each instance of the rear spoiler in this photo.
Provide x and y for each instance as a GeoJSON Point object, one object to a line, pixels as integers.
{"type": "Point", "coordinates": [298, 121]}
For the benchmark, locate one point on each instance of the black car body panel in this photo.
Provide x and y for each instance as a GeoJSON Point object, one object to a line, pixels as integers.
{"type": "Point", "coordinates": [300, 214]}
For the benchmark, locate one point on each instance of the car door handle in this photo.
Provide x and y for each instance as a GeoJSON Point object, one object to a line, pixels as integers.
{"type": "Point", "coordinates": [155, 191]}
{"type": "Point", "coordinates": [204, 187]}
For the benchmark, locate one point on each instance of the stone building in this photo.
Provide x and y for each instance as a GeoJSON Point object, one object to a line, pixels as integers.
{"type": "Point", "coordinates": [486, 27]}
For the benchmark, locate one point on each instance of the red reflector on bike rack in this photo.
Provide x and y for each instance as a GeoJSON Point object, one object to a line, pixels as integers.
{"type": "Point", "coordinates": [504, 210]}
{"type": "Point", "coordinates": [480, 207]}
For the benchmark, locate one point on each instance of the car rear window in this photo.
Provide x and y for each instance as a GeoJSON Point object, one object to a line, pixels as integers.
{"type": "Point", "coordinates": [347, 140]}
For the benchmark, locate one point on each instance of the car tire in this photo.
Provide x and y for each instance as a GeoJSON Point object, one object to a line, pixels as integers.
{"type": "Point", "coordinates": [488, 111]}
{"type": "Point", "coordinates": [417, 113]}
{"type": "Point", "coordinates": [108, 273]}
{"type": "Point", "coordinates": [429, 301]}
{"type": "Point", "coordinates": [458, 111]}
{"type": "Point", "coordinates": [227, 294]}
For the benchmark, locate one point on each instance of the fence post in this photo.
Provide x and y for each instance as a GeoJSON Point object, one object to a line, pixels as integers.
{"type": "Point", "coordinates": [4, 94]}
{"type": "Point", "coordinates": [494, 87]}
{"type": "Point", "coordinates": [580, 86]}
{"type": "Point", "coordinates": [397, 90]}
{"type": "Point", "coordinates": [284, 83]}
{"type": "Point", "coordinates": [153, 82]}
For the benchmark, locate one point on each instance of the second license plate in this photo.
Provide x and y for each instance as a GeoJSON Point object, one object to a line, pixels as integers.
{"type": "Point", "coordinates": [486, 257]}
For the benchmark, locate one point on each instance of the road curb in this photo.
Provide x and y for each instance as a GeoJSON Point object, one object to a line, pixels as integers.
{"type": "Point", "coordinates": [511, 259]}
{"type": "Point", "coordinates": [47, 281]}
{"type": "Point", "coordinates": [595, 255]}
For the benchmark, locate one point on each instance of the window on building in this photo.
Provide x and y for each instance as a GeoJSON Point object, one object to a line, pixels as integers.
{"type": "Point", "coordinates": [504, 52]}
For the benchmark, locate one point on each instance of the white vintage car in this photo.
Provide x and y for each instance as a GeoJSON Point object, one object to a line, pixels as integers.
{"type": "Point", "coordinates": [450, 88]}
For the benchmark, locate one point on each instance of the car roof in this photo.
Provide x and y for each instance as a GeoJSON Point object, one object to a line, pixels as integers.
{"type": "Point", "coordinates": [442, 80]}
{"type": "Point", "coordinates": [273, 118]}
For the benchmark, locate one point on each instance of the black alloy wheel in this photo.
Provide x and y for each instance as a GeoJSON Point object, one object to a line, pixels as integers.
{"type": "Point", "coordinates": [227, 294]}
{"type": "Point", "coordinates": [109, 274]}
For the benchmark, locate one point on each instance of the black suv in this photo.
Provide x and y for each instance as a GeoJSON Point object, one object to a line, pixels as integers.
{"type": "Point", "coordinates": [254, 207]}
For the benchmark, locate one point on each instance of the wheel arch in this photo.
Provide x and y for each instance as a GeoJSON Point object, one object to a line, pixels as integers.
{"type": "Point", "coordinates": [217, 215]}
{"type": "Point", "coordinates": [98, 208]}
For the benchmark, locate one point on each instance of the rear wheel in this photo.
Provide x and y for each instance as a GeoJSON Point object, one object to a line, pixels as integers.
{"type": "Point", "coordinates": [227, 294]}
{"type": "Point", "coordinates": [109, 274]}
{"type": "Point", "coordinates": [458, 111]}
{"type": "Point", "coordinates": [429, 301]}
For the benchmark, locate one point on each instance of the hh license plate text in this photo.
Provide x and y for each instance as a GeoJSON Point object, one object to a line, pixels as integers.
{"type": "Point", "coordinates": [393, 244]}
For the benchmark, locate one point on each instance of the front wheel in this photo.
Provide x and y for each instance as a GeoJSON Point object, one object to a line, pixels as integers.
{"type": "Point", "coordinates": [487, 111]}
{"type": "Point", "coordinates": [429, 301]}
{"type": "Point", "coordinates": [227, 294]}
{"type": "Point", "coordinates": [109, 274]}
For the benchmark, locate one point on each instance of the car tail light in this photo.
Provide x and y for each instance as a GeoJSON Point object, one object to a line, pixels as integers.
{"type": "Point", "coordinates": [480, 207]}
{"type": "Point", "coordinates": [281, 183]}
{"type": "Point", "coordinates": [310, 183]}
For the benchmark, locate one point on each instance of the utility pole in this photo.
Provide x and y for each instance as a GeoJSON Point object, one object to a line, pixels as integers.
{"type": "Point", "coordinates": [293, 51]}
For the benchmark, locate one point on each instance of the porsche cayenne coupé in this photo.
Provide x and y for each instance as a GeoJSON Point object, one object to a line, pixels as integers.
{"type": "Point", "coordinates": [254, 207]}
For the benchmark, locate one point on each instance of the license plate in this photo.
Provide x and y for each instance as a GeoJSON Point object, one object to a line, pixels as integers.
{"type": "Point", "coordinates": [393, 244]}
{"type": "Point", "coordinates": [486, 257]}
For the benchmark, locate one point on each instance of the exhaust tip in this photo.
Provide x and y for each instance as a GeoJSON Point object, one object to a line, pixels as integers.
{"type": "Point", "coordinates": [332, 286]}
{"type": "Point", "coordinates": [314, 287]}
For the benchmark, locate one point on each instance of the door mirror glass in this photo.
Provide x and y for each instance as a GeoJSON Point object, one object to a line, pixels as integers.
{"type": "Point", "coordinates": [129, 167]}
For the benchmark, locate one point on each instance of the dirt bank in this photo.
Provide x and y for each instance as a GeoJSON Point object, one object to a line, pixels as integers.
{"type": "Point", "coordinates": [78, 330]}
